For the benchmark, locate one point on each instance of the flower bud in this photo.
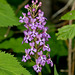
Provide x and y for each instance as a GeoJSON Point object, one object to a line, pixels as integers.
{"type": "Point", "coordinates": [26, 6]}
{"type": "Point", "coordinates": [32, 1]}
{"type": "Point", "coordinates": [33, 9]}
{"type": "Point", "coordinates": [40, 3]}
{"type": "Point", "coordinates": [29, 13]}
{"type": "Point", "coordinates": [36, 1]}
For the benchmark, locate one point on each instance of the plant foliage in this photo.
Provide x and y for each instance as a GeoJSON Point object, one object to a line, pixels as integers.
{"type": "Point", "coordinates": [15, 44]}
{"type": "Point", "coordinates": [66, 32]}
{"type": "Point", "coordinates": [10, 66]}
{"type": "Point", "coordinates": [69, 16]}
{"type": "Point", "coordinates": [7, 15]}
{"type": "Point", "coordinates": [55, 71]}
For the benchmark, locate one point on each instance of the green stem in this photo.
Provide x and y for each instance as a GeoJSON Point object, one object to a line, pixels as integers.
{"type": "Point", "coordinates": [40, 73]}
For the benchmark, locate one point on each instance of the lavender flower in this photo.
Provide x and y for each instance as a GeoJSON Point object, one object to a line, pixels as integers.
{"type": "Point", "coordinates": [28, 36]}
{"type": "Point", "coordinates": [26, 57]}
{"type": "Point", "coordinates": [22, 19]}
{"type": "Point", "coordinates": [32, 50]}
{"type": "Point", "coordinates": [42, 58]}
{"type": "Point", "coordinates": [40, 39]}
{"type": "Point", "coordinates": [36, 67]}
{"type": "Point", "coordinates": [26, 6]}
{"type": "Point", "coordinates": [46, 48]}
{"type": "Point", "coordinates": [36, 35]}
{"type": "Point", "coordinates": [49, 61]}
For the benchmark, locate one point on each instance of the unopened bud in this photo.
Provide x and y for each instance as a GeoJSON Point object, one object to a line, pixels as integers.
{"type": "Point", "coordinates": [32, 1]}
{"type": "Point", "coordinates": [26, 6]}
{"type": "Point", "coordinates": [40, 3]}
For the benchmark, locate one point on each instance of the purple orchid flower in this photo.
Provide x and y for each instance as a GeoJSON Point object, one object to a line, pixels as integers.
{"type": "Point", "coordinates": [34, 33]}
{"type": "Point", "coordinates": [26, 57]}
{"type": "Point", "coordinates": [40, 39]}
{"type": "Point", "coordinates": [46, 48]}
{"type": "Point", "coordinates": [49, 61]}
{"type": "Point", "coordinates": [36, 67]}
{"type": "Point", "coordinates": [32, 50]}
{"type": "Point", "coordinates": [22, 19]}
{"type": "Point", "coordinates": [42, 58]}
{"type": "Point", "coordinates": [28, 36]}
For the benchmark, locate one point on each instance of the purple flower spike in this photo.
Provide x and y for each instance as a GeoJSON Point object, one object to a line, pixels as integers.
{"type": "Point", "coordinates": [36, 35]}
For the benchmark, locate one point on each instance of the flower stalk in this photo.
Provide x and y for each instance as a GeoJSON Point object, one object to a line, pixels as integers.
{"type": "Point", "coordinates": [39, 73]}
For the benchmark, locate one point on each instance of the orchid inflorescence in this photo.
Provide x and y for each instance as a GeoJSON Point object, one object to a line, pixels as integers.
{"type": "Point", "coordinates": [36, 35]}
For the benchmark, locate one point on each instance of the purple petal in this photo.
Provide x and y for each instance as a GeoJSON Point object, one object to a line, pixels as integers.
{"type": "Point", "coordinates": [40, 53]}
{"type": "Point", "coordinates": [31, 53]}
{"type": "Point", "coordinates": [37, 42]}
{"type": "Point", "coordinates": [41, 43]}
{"type": "Point", "coordinates": [21, 21]}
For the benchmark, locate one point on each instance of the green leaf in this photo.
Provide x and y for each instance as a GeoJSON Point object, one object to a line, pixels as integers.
{"type": "Point", "coordinates": [10, 66]}
{"type": "Point", "coordinates": [69, 16]}
{"type": "Point", "coordinates": [55, 71]}
{"type": "Point", "coordinates": [57, 46]}
{"type": "Point", "coordinates": [48, 68]}
{"type": "Point", "coordinates": [3, 1]}
{"type": "Point", "coordinates": [66, 32]}
{"type": "Point", "coordinates": [3, 31]}
{"type": "Point", "coordinates": [7, 15]}
{"type": "Point", "coordinates": [15, 44]}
